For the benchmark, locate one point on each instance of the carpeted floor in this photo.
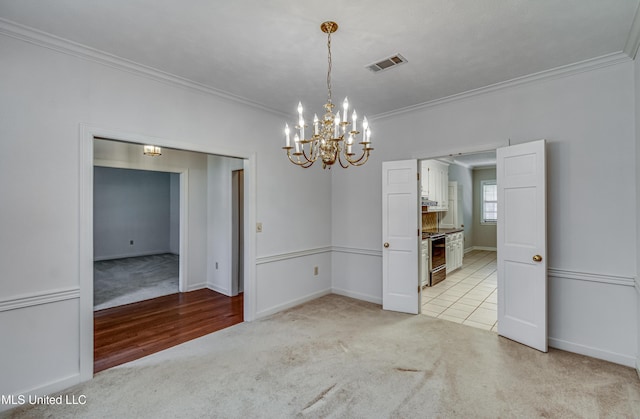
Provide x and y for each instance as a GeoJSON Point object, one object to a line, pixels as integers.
{"type": "Point", "coordinates": [128, 280]}
{"type": "Point", "coordinates": [336, 357]}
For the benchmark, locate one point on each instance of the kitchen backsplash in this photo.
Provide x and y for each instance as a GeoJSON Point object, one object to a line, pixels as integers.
{"type": "Point", "coordinates": [429, 221]}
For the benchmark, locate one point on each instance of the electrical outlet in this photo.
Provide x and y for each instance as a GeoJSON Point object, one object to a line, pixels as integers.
{"type": "Point", "coordinates": [216, 265]}
{"type": "Point", "coordinates": [315, 271]}
{"type": "Point", "coordinates": [131, 242]}
{"type": "Point", "coordinates": [259, 227]}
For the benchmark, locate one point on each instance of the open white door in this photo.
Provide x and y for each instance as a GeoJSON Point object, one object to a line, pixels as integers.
{"type": "Point", "coordinates": [400, 234]}
{"type": "Point", "coordinates": [522, 244]}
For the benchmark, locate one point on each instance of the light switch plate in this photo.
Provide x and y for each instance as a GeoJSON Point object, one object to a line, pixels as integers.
{"type": "Point", "coordinates": [259, 227]}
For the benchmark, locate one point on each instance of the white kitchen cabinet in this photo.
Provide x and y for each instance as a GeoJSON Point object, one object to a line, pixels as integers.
{"type": "Point", "coordinates": [454, 250]}
{"type": "Point", "coordinates": [435, 183]}
{"type": "Point", "coordinates": [450, 217]}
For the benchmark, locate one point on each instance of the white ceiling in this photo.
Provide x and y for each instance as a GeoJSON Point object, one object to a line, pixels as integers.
{"type": "Point", "coordinates": [273, 52]}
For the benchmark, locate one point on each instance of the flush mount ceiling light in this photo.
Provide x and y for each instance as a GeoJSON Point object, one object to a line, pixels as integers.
{"type": "Point", "coordinates": [151, 150]}
{"type": "Point", "coordinates": [334, 136]}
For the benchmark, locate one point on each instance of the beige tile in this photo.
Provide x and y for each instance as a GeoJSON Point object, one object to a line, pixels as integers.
{"type": "Point", "coordinates": [438, 302]}
{"type": "Point", "coordinates": [430, 311]}
{"type": "Point", "coordinates": [456, 313]}
{"type": "Point", "coordinates": [463, 307]}
{"type": "Point", "coordinates": [450, 318]}
{"type": "Point", "coordinates": [477, 325]}
{"type": "Point", "coordinates": [489, 305]}
{"type": "Point", "coordinates": [451, 298]}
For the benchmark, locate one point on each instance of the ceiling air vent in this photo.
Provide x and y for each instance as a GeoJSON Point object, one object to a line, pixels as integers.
{"type": "Point", "coordinates": [387, 63]}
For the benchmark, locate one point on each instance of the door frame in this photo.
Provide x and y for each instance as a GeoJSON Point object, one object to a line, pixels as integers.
{"type": "Point", "coordinates": [453, 154]}
{"type": "Point", "coordinates": [87, 134]}
{"type": "Point", "coordinates": [184, 209]}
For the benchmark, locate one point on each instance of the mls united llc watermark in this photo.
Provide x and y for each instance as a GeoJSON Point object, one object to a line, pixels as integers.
{"type": "Point", "coordinates": [20, 399]}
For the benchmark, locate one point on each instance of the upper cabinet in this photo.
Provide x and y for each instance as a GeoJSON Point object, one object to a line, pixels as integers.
{"type": "Point", "coordinates": [435, 184]}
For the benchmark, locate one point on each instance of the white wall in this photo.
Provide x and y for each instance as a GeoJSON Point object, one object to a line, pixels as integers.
{"type": "Point", "coordinates": [219, 217]}
{"type": "Point", "coordinates": [588, 120]}
{"type": "Point", "coordinates": [130, 206]}
{"type": "Point", "coordinates": [48, 90]}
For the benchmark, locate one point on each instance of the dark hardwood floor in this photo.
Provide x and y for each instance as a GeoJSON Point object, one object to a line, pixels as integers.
{"type": "Point", "coordinates": [129, 332]}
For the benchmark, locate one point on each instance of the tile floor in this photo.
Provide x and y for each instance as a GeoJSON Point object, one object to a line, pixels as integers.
{"type": "Point", "coordinates": [468, 295]}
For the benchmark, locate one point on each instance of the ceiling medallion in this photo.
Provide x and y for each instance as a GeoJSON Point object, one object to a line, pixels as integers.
{"type": "Point", "coordinates": [333, 137]}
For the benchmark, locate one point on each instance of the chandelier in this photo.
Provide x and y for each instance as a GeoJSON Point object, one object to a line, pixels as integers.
{"type": "Point", "coordinates": [151, 150]}
{"type": "Point", "coordinates": [333, 138]}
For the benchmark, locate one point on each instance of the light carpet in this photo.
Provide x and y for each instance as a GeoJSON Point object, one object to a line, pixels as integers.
{"type": "Point", "coordinates": [336, 357]}
{"type": "Point", "coordinates": [128, 280]}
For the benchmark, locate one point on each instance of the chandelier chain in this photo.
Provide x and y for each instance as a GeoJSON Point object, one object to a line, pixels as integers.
{"type": "Point", "coordinates": [329, 70]}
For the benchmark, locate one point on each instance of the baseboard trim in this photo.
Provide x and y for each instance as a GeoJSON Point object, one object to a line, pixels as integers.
{"type": "Point", "coordinates": [357, 295]}
{"type": "Point", "coordinates": [50, 388]}
{"type": "Point", "coordinates": [195, 287]}
{"type": "Point", "coordinates": [131, 255]}
{"type": "Point", "coordinates": [292, 303]}
{"type": "Point", "coordinates": [217, 289]}
{"type": "Point", "coordinates": [39, 298]}
{"type": "Point", "coordinates": [590, 351]}
{"type": "Point", "coordinates": [486, 248]}
{"type": "Point", "coordinates": [292, 255]}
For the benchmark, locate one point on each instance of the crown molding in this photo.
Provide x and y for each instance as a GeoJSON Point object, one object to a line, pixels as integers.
{"type": "Point", "coordinates": [65, 46]}
{"type": "Point", "coordinates": [633, 41]}
{"type": "Point", "coordinates": [558, 72]}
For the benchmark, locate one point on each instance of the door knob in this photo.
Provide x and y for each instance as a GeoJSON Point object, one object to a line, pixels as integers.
{"type": "Point", "coordinates": [386, 244]}
{"type": "Point", "coordinates": [537, 258]}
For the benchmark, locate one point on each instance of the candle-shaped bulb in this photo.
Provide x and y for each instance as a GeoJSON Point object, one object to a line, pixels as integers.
{"type": "Point", "coordinates": [300, 108]}
{"type": "Point", "coordinates": [369, 137]}
{"type": "Point", "coordinates": [365, 126]}
{"type": "Point", "coordinates": [345, 107]}
{"type": "Point", "coordinates": [354, 118]}
{"type": "Point", "coordinates": [296, 140]}
{"type": "Point", "coordinates": [336, 132]}
{"type": "Point", "coordinates": [315, 124]}
{"type": "Point", "coordinates": [287, 139]}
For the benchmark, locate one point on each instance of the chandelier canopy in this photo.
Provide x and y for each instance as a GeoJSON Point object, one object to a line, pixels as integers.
{"type": "Point", "coordinates": [333, 137]}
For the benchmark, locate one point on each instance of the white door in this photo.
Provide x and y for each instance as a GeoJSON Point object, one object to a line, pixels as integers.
{"type": "Point", "coordinates": [400, 236]}
{"type": "Point", "coordinates": [522, 244]}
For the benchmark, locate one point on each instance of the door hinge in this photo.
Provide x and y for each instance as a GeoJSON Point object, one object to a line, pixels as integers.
{"type": "Point", "coordinates": [418, 232]}
{"type": "Point", "coordinates": [418, 176]}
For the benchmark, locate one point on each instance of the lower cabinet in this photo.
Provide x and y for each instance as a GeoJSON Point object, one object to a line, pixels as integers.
{"type": "Point", "coordinates": [454, 250]}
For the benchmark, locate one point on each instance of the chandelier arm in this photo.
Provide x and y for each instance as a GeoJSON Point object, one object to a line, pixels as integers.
{"type": "Point", "coordinates": [358, 161]}
{"type": "Point", "coordinates": [344, 166]}
{"type": "Point", "coordinates": [313, 156]}
{"type": "Point", "coordinates": [297, 163]}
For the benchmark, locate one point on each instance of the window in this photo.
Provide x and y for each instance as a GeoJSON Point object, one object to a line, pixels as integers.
{"type": "Point", "coordinates": [489, 202]}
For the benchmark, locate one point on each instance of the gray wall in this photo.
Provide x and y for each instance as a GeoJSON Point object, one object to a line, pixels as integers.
{"type": "Point", "coordinates": [130, 205]}
{"type": "Point", "coordinates": [484, 235]}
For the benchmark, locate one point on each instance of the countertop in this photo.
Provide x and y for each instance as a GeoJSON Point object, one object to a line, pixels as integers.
{"type": "Point", "coordinates": [427, 233]}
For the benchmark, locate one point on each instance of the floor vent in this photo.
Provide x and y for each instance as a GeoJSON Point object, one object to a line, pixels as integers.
{"type": "Point", "coordinates": [387, 63]}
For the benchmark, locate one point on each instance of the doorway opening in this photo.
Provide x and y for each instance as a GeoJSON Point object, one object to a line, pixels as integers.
{"type": "Point", "coordinates": [136, 235]}
{"type": "Point", "coordinates": [172, 206]}
{"type": "Point", "coordinates": [458, 203]}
